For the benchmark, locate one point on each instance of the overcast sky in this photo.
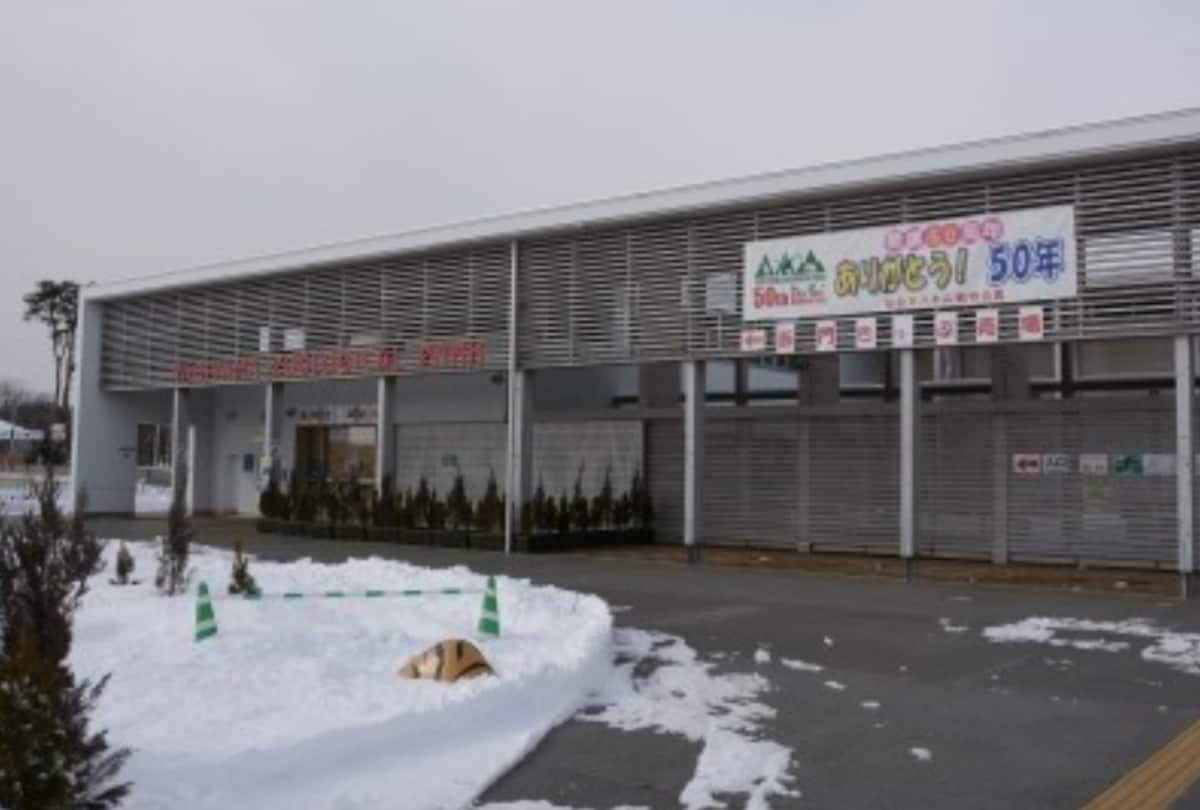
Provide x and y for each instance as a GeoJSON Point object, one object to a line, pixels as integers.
{"type": "Point", "coordinates": [139, 137]}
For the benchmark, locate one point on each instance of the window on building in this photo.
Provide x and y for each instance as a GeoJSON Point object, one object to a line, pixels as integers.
{"type": "Point", "coordinates": [153, 445]}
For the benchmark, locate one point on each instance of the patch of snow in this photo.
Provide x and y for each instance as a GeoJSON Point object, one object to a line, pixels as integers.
{"type": "Point", "coordinates": [762, 656]}
{"type": "Point", "coordinates": [681, 695]}
{"type": "Point", "coordinates": [800, 666]}
{"type": "Point", "coordinates": [950, 627]}
{"type": "Point", "coordinates": [1179, 651]}
{"type": "Point", "coordinates": [921, 754]}
{"type": "Point", "coordinates": [148, 499]}
{"type": "Point", "coordinates": [298, 704]}
{"type": "Point", "coordinates": [828, 641]}
{"type": "Point", "coordinates": [836, 686]}
{"type": "Point", "coordinates": [903, 668]}
{"type": "Point", "coordinates": [870, 705]}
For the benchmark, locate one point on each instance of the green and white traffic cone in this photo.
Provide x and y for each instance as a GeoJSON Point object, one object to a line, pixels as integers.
{"type": "Point", "coordinates": [489, 616]}
{"type": "Point", "coordinates": [206, 620]}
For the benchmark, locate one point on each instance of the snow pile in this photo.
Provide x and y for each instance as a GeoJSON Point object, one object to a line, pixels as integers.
{"type": "Point", "coordinates": [297, 703]}
{"type": "Point", "coordinates": [801, 666]}
{"type": "Point", "coordinates": [149, 499]}
{"type": "Point", "coordinates": [682, 696]}
{"type": "Point", "coordinates": [1178, 650]}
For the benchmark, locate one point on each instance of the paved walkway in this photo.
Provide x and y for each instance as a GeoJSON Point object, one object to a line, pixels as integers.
{"type": "Point", "coordinates": [1008, 725]}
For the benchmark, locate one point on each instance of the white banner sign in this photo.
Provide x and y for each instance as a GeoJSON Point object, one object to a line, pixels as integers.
{"type": "Point", "coordinates": [987, 259]}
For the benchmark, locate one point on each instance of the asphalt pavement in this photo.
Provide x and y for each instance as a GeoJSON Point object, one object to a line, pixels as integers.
{"type": "Point", "coordinates": [1025, 726]}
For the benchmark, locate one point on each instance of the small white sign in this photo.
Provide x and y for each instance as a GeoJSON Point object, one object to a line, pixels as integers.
{"type": "Point", "coordinates": [866, 333]}
{"type": "Point", "coordinates": [293, 340]}
{"type": "Point", "coordinates": [825, 336]}
{"type": "Point", "coordinates": [754, 340]}
{"type": "Point", "coordinates": [785, 338]}
{"type": "Point", "coordinates": [1056, 463]}
{"type": "Point", "coordinates": [1031, 323]}
{"type": "Point", "coordinates": [1158, 464]}
{"type": "Point", "coordinates": [264, 338]}
{"type": "Point", "coordinates": [945, 328]}
{"type": "Point", "coordinates": [1027, 463]}
{"type": "Point", "coordinates": [1093, 463]}
{"type": "Point", "coordinates": [720, 293]}
{"type": "Point", "coordinates": [902, 331]}
{"type": "Point", "coordinates": [987, 325]}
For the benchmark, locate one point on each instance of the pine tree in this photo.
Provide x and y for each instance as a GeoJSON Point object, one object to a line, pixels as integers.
{"type": "Point", "coordinates": [48, 756]}
{"type": "Point", "coordinates": [580, 512]}
{"type": "Point", "coordinates": [458, 507]}
{"type": "Point", "coordinates": [125, 565]}
{"type": "Point", "coordinates": [241, 580]}
{"type": "Point", "coordinates": [173, 576]}
{"type": "Point", "coordinates": [489, 514]}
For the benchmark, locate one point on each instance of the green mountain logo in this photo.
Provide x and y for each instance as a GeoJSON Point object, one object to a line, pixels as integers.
{"type": "Point", "coordinates": [786, 268]}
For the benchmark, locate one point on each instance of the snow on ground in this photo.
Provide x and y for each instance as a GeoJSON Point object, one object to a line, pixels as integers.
{"type": "Point", "coordinates": [950, 627]}
{"type": "Point", "coordinates": [682, 695]}
{"type": "Point", "coordinates": [762, 656]}
{"type": "Point", "coordinates": [836, 686]}
{"type": "Point", "coordinates": [800, 666]}
{"type": "Point", "coordinates": [148, 500]}
{"type": "Point", "coordinates": [1180, 651]}
{"type": "Point", "coordinates": [545, 805]}
{"type": "Point", "coordinates": [297, 703]}
{"type": "Point", "coordinates": [921, 754]}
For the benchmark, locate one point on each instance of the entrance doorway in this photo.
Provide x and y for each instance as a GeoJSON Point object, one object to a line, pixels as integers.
{"type": "Point", "coordinates": [340, 453]}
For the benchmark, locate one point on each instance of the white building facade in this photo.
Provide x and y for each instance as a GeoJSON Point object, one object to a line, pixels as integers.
{"type": "Point", "coordinates": [985, 351]}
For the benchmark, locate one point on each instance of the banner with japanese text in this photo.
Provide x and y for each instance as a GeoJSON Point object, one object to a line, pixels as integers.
{"type": "Point", "coordinates": [987, 259]}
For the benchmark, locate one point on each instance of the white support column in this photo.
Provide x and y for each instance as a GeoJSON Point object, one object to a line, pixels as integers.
{"type": "Point", "coordinates": [519, 483]}
{"type": "Point", "coordinates": [385, 444]}
{"type": "Point", "coordinates": [1185, 376]}
{"type": "Point", "coordinates": [273, 429]}
{"type": "Point", "coordinates": [693, 454]}
{"type": "Point", "coordinates": [910, 404]}
{"type": "Point", "coordinates": [182, 456]}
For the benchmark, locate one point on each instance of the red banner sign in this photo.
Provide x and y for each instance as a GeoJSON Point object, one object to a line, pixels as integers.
{"type": "Point", "coordinates": [352, 362]}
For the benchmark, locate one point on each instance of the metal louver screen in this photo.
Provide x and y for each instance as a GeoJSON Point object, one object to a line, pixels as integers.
{"type": "Point", "coordinates": [1138, 234]}
{"type": "Point", "coordinates": [667, 289]}
{"type": "Point", "coordinates": [456, 298]}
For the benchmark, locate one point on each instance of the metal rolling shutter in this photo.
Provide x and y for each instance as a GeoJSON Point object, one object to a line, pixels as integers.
{"type": "Point", "coordinates": [955, 469]}
{"type": "Point", "coordinates": [1118, 518]}
{"type": "Point", "coordinates": [853, 480]}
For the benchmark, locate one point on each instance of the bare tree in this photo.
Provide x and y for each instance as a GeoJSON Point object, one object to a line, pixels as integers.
{"type": "Point", "coordinates": [56, 304]}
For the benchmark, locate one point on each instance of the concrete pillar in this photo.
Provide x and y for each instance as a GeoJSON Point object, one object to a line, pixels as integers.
{"type": "Point", "coordinates": [385, 428]}
{"type": "Point", "coordinates": [182, 450]}
{"type": "Point", "coordinates": [273, 430]}
{"type": "Point", "coordinates": [519, 477]}
{"type": "Point", "coordinates": [910, 420]}
{"type": "Point", "coordinates": [658, 385]}
{"type": "Point", "coordinates": [741, 382]}
{"type": "Point", "coordinates": [819, 381]}
{"type": "Point", "coordinates": [1185, 375]}
{"type": "Point", "coordinates": [693, 454]}
{"type": "Point", "coordinates": [104, 430]}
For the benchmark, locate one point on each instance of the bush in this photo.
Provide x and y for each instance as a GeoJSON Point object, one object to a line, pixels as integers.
{"type": "Point", "coordinates": [385, 509]}
{"type": "Point", "coordinates": [421, 503]}
{"type": "Point", "coordinates": [48, 756]}
{"type": "Point", "coordinates": [489, 514]}
{"type": "Point", "coordinates": [407, 513]}
{"type": "Point", "coordinates": [241, 581]}
{"type": "Point", "coordinates": [125, 565]}
{"type": "Point", "coordinates": [173, 576]}
{"type": "Point", "coordinates": [435, 512]}
{"type": "Point", "coordinates": [562, 524]}
{"type": "Point", "coordinates": [307, 502]}
{"type": "Point", "coordinates": [580, 509]}
{"type": "Point", "coordinates": [544, 514]}
{"type": "Point", "coordinates": [602, 504]}
{"type": "Point", "coordinates": [271, 499]}
{"type": "Point", "coordinates": [458, 505]}
{"type": "Point", "coordinates": [640, 506]}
